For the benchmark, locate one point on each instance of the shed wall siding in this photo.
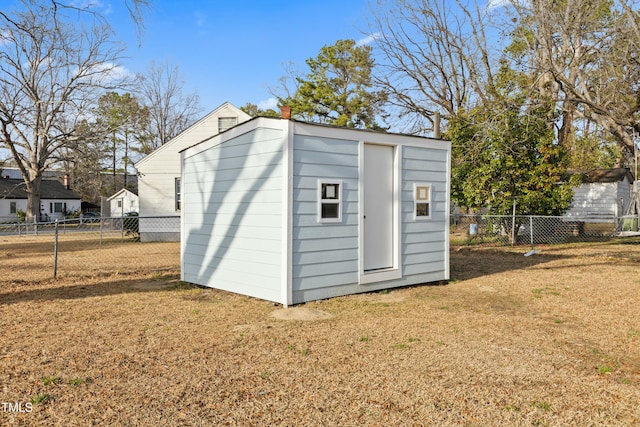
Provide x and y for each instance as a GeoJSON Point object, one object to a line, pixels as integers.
{"type": "Point", "coordinates": [424, 242]}
{"type": "Point", "coordinates": [232, 209]}
{"type": "Point", "coordinates": [600, 200]}
{"type": "Point", "coordinates": [324, 255]}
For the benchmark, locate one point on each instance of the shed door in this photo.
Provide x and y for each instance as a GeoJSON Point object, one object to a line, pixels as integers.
{"type": "Point", "coordinates": [378, 207]}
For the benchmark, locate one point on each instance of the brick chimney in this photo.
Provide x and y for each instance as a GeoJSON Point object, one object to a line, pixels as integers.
{"type": "Point", "coordinates": [65, 182]}
{"type": "Point", "coordinates": [285, 112]}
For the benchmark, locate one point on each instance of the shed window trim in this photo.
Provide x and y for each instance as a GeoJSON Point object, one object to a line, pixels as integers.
{"type": "Point", "coordinates": [329, 200]}
{"type": "Point", "coordinates": [421, 201]}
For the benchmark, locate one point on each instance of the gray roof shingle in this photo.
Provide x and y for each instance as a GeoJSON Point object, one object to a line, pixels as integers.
{"type": "Point", "coordinates": [49, 189]}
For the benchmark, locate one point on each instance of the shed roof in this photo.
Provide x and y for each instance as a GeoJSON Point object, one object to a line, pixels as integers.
{"type": "Point", "coordinates": [49, 189]}
{"type": "Point", "coordinates": [604, 175]}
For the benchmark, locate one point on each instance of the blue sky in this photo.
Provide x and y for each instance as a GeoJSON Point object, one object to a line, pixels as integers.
{"type": "Point", "coordinates": [234, 51]}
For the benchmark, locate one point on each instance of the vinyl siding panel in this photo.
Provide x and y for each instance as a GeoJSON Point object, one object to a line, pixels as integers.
{"type": "Point", "coordinates": [600, 200]}
{"type": "Point", "coordinates": [232, 215]}
{"type": "Point", "coordinates": [424, 242]}
{"type": "Point", "coordinates": [324, 255]}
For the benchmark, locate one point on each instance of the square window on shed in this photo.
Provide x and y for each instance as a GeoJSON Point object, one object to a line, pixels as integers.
{"type": "Point", "coordinates": [422, 201]}
{"type": "Point", "coordinates": [329, 200]}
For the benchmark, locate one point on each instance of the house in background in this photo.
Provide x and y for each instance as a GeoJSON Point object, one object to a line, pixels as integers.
{"type": "Point", "coordinates": [604, 194]}
{"type": "Point", "coordinates": [122, 202]}
{"type": "Point", "coordinates": [56, 199]}
{"type": "Point", "coordinates": [159, 174]}
{"type": "Point", "coordinates": [292, 212]}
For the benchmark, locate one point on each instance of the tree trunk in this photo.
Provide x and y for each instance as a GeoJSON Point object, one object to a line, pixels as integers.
{"type": "Point", "coordinates": [32, 187]}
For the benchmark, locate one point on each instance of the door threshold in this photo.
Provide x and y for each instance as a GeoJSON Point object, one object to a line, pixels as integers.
{"type": "Point", "coordinates": [380, 275]}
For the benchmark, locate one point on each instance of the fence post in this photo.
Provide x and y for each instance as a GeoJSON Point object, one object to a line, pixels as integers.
{"type": "Point", "coordinates": [513, 224]}
{"type": "Point", "coordinates": [531, 230]}
{"type": "Point", "coordinates": [55, 252]}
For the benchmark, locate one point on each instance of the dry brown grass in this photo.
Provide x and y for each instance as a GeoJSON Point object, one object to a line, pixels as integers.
{"type": "Point", "coordinates": [552, 339]}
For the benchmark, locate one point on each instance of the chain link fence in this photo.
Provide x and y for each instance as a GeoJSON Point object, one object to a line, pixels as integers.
{"type": "Point", "coordinates": [91, 246]}
{"type": "Point", "coordinates": [537, 230]}
{"type": "Point", "coordinates": [94, 246]}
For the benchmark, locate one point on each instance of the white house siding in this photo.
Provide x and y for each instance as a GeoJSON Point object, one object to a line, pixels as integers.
{"type": "Point", "coordinates": [425, 242]}
{"type": "Point", "coordinates": [159, 170]}
{"type": "Point", "coordinates": [5, 209]}
{"type": "Point", "coordinates": [232, 214]}
{"type": "Point", "coordinates": [324, 255]}
{"type": "Point", "coordinates": [47, 207]}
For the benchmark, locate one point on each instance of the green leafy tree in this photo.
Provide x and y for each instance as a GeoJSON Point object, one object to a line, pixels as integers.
{"type": "Point", "coordinates": [506, 151]}
{"type": "Point", "coordinates": [510, 155]}
{"type": "Point", "coordinates": [338, 89]}
{"type": "Point", "coordinates": [254, 111]}
{"type": "Point", "coordinates": [593, 151]}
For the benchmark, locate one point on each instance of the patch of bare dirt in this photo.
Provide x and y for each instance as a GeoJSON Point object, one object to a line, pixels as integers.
{"type": "Point", "coordinates": [300, 313]}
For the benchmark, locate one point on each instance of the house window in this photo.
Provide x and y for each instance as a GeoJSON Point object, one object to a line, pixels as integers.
{"type": "Point", "coordinates": [12, 207]}
{"type": "Point", "coordinates": [57, 207]}
{"type": "Point", "coordinates": [177, 193]}
{"type": "Point", "coordinates": [120, 203]}
{"type": "Point", "coordinates": [421, 201]}
{"type": "Point", "coordinates": [225, 123]}
{"type": "Point", "coordinates": [329, 200]}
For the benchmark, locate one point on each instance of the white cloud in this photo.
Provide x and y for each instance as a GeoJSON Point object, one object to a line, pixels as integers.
{"type": "Point", "coordinates": [267, 104]}
{"type": "Point", "coordinates": [107, 73]}
{"type": "Point", "coordinates": [368, 40]}
{"type": "Point", "coordinates": [86, 4]}
{"type": "Point", "coordinates": [496, 4]}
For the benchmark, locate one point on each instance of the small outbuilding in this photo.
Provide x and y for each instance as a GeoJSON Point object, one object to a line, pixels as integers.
{"type": "Point", "coordinates": [121, 203]}
{"type": "Point", "coordinates": [291, 212]}
{"type": "Point", "coordinates": [603, 195]}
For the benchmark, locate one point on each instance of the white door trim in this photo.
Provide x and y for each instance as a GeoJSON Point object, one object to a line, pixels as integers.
{"type": "Point", "coordinates": [395, 272]}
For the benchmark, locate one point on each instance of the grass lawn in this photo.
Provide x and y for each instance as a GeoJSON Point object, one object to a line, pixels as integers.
{"type": "Point", "coordinates": [552, 339]}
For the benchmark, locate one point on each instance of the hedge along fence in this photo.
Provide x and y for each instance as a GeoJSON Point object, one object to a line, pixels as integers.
{"type": "Point", "coordinates": [534, 229]}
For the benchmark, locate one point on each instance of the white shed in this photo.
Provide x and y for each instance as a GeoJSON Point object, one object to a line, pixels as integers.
{"type": "Point", "coordinates": [604, 194]}
{"type": "Point", "coordinates": [292, 212]}
{"type": "Point", "coordinates": [124, 201]}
